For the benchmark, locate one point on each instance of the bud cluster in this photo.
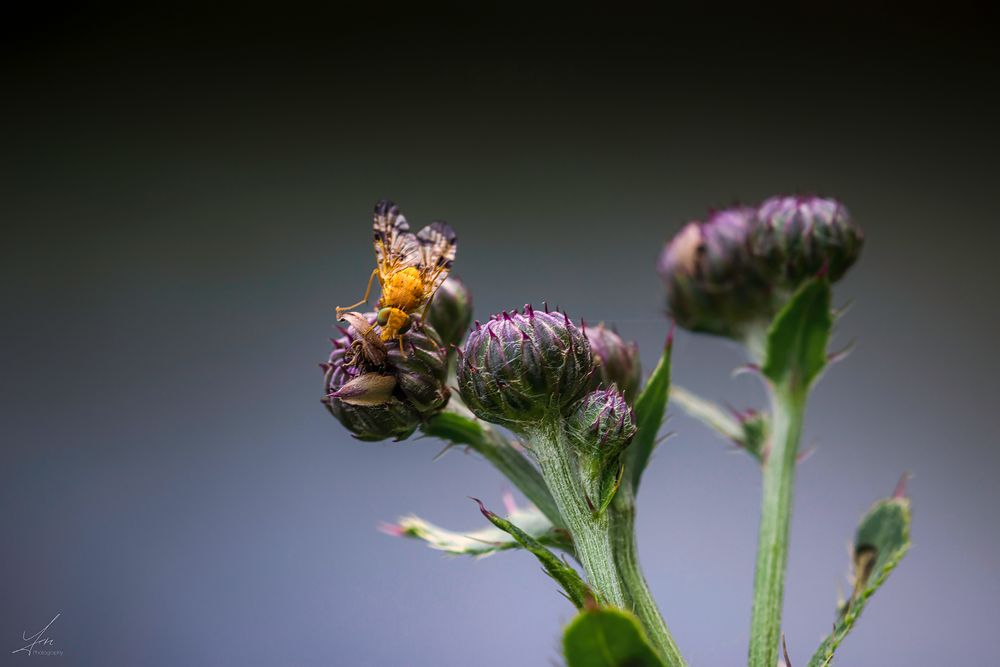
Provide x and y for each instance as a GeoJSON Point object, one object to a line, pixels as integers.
{"type": "Point", "coordinates": [736, 269]}
{"type": "Point", "coordinates": [380, 391]}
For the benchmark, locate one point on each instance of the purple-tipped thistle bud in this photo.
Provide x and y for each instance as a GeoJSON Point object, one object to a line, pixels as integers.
{"type": "Point", "coordinates": [714, 284]}
{"type": "Point", "coordinates": [386, 395]}
{"type": "Point", "coordinates": [601, 425]}
{"type": "Point", "coordinates": [450, 312]}
{"type": "Point", "coordinates": [599, 428]}
{"type": "Point", "coordinates": [796, 237]}
{"type": "Point", "coordinates": [518, 368]}
{"type": "Point", "coordinates": [616, 361]}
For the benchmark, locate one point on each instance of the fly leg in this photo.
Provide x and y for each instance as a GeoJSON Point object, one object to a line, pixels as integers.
{"type": "Point", "coordinates": [368, 291]}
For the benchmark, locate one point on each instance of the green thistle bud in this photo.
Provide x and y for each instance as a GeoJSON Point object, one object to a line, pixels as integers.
{"type": "Point", "coordinates": [601, 425]}
{"type": "Point", "coordinates": [796, 237]}
{"type": "Point", "coordinates": [520, 368]}
{"type": "Point", "coordinates": [450, 312]}
{"type": "Point", "coordinates": [714, 284]}
{"type": "Point", "coordinates": [383, 392]}
{"type": "Point", "coordinates": [616, 361]}
{"type": "Point", "coordinates": [599, 428]}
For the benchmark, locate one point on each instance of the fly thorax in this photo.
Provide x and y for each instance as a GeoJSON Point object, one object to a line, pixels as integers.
{"type": "Point", "coordinates": [404, 289]}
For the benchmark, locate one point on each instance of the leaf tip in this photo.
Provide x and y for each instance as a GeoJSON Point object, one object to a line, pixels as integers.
{"type": "Point", "coordinates": [900, 492]}
{"type": "Point", "coordinates": [482, 508]}
{"type": "Point", "coordinates": [391, 529]}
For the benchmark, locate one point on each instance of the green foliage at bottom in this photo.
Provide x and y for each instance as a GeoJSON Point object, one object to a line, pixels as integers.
{"type": "Point", "coordinates": [881, 541]}
{"type": "Point", "coordinates": [603, 637]}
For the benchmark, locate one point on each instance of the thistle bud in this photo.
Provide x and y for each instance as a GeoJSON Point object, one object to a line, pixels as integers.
{"type": "Point", "coordinates": [601, 425]}
{"type": "Point", "coordinates": [714, 284]}
{"type": "Point", "coordinates": [388, 394]}
{"type": "Point", "coordinates": [796, 237]}
{"type": "Point", "coordinates": [519, 368]}
{"type": "Point", "coordinates": [450, 312]}
{"type": "Point", "coordinates": [616, 361]}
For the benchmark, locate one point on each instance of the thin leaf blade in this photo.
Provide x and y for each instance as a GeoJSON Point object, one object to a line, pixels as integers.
{"type": "Point", "coordinates": [749, 431]}
{"type": "Point", "coordinates": [577, 591]}
{"type": "Point", "coordinates": [650, 407]}
{"type": "Point", "coordinates": [482, 542]}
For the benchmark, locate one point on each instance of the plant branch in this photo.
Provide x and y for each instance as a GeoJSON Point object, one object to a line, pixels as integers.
{"type": "Point", "coordinates": [590, 531]}
{"type": "Point", "coordinates": [788, 408]}
{"type": "Point", "coordinates": [623, 541]}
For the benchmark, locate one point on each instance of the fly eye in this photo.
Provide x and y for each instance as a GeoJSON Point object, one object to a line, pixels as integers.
{"type": "Point", "coordinates": [383, 317]}
{"type": "Point", "coordinates": [406, 326]}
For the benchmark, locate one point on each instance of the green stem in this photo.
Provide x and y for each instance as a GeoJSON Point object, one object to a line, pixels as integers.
{"type": "Point", "coordinates": [787, 411]}
{"type": "Point", "coordinates": [505, 457]}
{"type": "Point", "coordinates": [591, 534]}
{"type": "Point", "coordinates": [623, 541]}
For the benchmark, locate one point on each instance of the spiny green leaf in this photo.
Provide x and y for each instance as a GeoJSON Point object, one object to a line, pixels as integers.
{"type": "Point", "coordinates": [650, 407]}
{"type": "Point", "coordinates": [881, 541]}
{"type": "Point", "coordinates": [798, 336]}
{"type": "Point", "coordinates": [605, 637]}
{"type": "Point", "coordinates": [484, 541]}
{"type": "Point", "coordinates": [750, 434]}
{"type": "Point", "coordinates": [577, 591]}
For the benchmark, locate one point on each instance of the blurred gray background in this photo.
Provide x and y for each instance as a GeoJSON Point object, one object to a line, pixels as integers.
{"type": "Point", "coordinates": [186, 197]}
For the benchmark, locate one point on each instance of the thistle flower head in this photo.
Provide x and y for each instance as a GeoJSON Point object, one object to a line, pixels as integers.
{"type": "Point", "coordinates": [521, 367]}
{"type": "Point", "coordinates": [796, 237]}
{"type": "Point", "coordinates": [714, 284]}
{"type": "Point", "coordinates": [380, 391]}
{"type": "Point", "coordinates": [616, 362]}
{"type": "Point", "coordinates": [601, 424]}
{"type": "Point", "coordinates": [450, 312]}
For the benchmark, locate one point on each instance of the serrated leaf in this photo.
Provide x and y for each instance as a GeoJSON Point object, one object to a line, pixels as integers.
{"type": "Point", "coordinates": [607, 637]}
{"type": "Point", "coordinates": [650, 407]}
{"type": "Point", "coordinates": [485, 541]}
{"type": "Point", "coordinates": [798, 337]}
{"type": "Point", "coordinates": [576, 590]}
{"type": "Point", "coordinates": [750, 433]}
{"type": "Point", "coordinates": [881, 541]}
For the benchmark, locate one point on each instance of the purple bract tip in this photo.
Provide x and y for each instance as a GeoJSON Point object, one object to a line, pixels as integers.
{"type": "Point", "coordinates": [482, 507]}
{"type": "Point", "coordinates": [900, 491]}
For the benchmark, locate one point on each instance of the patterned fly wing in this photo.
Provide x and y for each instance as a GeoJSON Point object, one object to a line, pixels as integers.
{"type": "Point", "coordinates": [438, 244]}
{"type": "Point", "coordinates": [395, 245]}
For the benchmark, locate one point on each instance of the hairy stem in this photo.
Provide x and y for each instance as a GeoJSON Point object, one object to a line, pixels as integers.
{"type": "Point", "coordinates": [623, 542]}
{"type": "Point", "coordinates": [787, 411]}
{"type": "Point", "coordinates": [591, 534]}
